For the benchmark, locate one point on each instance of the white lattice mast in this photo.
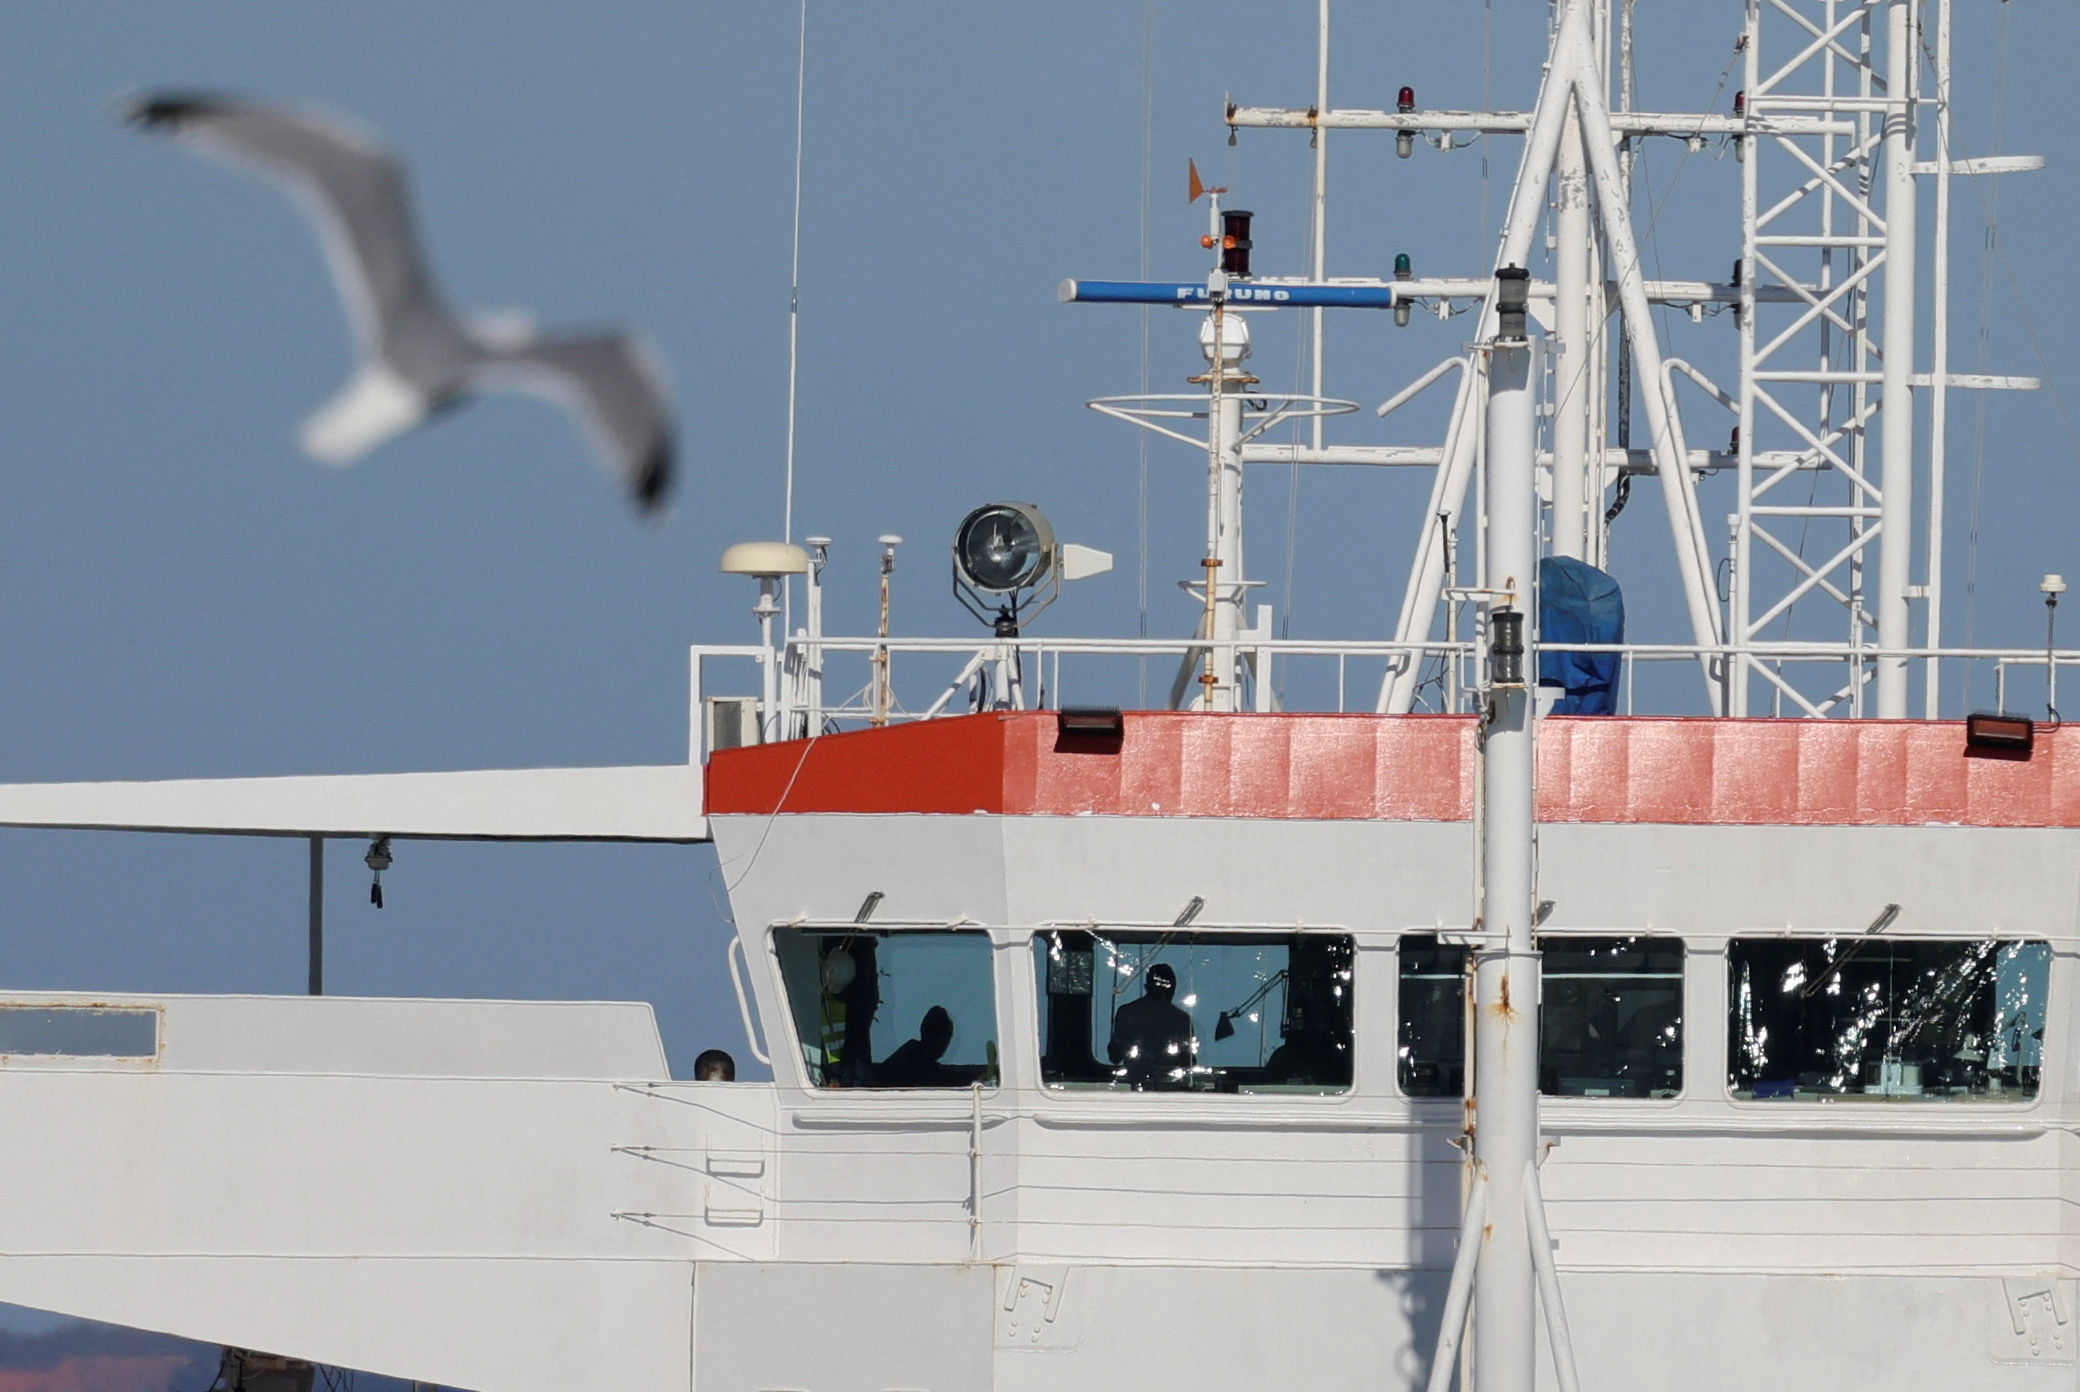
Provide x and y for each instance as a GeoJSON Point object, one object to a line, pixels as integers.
{"type": "Point", "coordinates": [1813, 374]}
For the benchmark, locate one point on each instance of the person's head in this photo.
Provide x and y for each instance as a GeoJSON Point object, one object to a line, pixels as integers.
{"type": "Point", "coordinates": [1162, 981]}
{"type": "Point", "coordinates": [714, 1066]}
{"type": "Point", "coordinates": [935, 1031]}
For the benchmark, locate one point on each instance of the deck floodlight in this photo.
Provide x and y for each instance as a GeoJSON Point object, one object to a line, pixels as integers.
{"type": "Point", "coordinates": [1999, 732]}
{"type": "Point", "coordinates": [1007, 565]}
{"type": "Point", "coordinates": [1002, 548]}
{"type": "Point", "coordinates": [1512, 302]}
{"type": "Point", "coordinates": [1091, 722]}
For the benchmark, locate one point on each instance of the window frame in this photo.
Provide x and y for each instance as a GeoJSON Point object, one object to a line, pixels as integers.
{"type": "Point", "coordinates": [1033, 983]}
{"type": "Point", "coordinates": [1450, 935]}
{"type": "Point", "coordinates": [1002, 1019]}
{"type": "Point", "coordinates": [2052, 1061]}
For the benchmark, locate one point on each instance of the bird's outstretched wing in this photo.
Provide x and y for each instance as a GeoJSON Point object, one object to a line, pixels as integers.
{"type": "Point", "coordinates": [416, 353]}
{"type": "Point", "coordinates": [611, 381]}
{"type": "Point", "coordinates": [356, 193]}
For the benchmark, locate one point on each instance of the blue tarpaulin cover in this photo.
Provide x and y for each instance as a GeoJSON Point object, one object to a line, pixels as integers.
{"type": "Point", "coordinates": [1577, 603]}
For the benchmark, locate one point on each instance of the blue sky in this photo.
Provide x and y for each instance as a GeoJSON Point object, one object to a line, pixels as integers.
{"type": "Point", "coordinates": [181, 594]}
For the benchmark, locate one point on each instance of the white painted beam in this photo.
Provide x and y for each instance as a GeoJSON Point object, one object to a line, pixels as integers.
{"type": "Point", "coordinates": [653, 803]}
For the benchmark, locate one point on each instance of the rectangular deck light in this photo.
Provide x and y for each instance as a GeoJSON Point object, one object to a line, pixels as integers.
{"type": "Point", "coordinates": [1090, 722]}
{"type": "Point", "coordinates": [1997, 733]}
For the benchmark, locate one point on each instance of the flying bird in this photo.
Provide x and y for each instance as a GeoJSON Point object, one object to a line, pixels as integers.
{"type": "Point", "coordinates": [417, 355]}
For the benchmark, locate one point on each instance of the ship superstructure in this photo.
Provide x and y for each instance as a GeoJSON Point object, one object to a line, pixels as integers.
{"type": "Point", "coordinates": [1141, 1047]}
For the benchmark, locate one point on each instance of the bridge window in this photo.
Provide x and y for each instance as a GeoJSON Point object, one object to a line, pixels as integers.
{"type": "Point", "coordinates": [78, 1031]}
{"type": "Point", "coordinates": [1611, 1022]}
{"type": "Point", "coordinates": [1610, 1025]}
{"type": "Point", "coordinates": [891, 1009]}
{"type": "Point", "coordinates": [1432, 1061]}
{"type": "Point", "coordinates": [1886, 1017]}
{"type": "Point", "coordinates": [1200, 1012]}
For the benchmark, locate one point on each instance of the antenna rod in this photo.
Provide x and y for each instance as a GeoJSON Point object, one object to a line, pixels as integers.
{"type": "Point", "coordinates": [794, 279]}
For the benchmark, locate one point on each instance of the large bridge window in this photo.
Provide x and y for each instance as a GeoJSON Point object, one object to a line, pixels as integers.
{"type": "Point", "coordinates": [1205, 1012]}
{"type": "Point", "coordinates": [891, 1009]}
{"type": "Point", "coordinates": [1610, 1024]}
{"type": "Point", "coordinates": [1886, 1017]}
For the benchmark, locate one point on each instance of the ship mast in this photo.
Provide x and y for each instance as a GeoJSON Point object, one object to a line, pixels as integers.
{"type": "Point", "coordinates": [1836, 506]}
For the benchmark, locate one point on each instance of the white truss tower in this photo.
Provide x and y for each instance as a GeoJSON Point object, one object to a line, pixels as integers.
{"type": "Point", "coordinates": [1825, 553]}
{"type": "Point", "coordinates": [1830, 216]}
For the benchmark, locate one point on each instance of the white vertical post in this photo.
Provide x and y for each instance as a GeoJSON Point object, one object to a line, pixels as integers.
{"type": "Point", "coordinates": [1321, 202]}
{"type": "Point", "coordinates": [1741, 589]}
{"type": "Point", "coordinates": [1506, 972]}
{"type": "Point", "coordinates": [1571, 368]}
{"type": "Point", "coordinates": [1896, 476]}
{"type": "Point", "coordinates": [1225, 339]}
{"type": "Point", "coordinates": [1939, 364]}
{"type": "Point", "coordinates": [1230, 593]}
{"type": "Point", "coordinates": [315, 965]}
{"type": "Point", "coordinates": [812, 654]}
{"type": "Point", "coordinates": [768, 609]}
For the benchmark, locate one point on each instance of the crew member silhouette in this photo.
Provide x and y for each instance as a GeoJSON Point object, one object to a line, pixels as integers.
{"type": "Point", "coordinates": [1152, 1042]}
{"type": "Point", "coordinates": [916, 1062]}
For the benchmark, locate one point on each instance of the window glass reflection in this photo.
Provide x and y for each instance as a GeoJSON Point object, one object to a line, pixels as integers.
{"type": "Point", "coordinates": [1886, 1017]}
{"type": "Point", "coordinates": [1205, 1012]}
{"type": "Point", "coordinates": [1434, 986]}
{"type": "Point", "coordinates": [891, 1009]}
{"type": "Point", "coordinates": [1610, 1024]}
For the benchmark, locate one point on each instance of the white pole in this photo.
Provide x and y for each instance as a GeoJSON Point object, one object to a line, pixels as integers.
{"type": "Point", "coordinates": [812, 655]}
{"type": "Point", "coordinates": [1225, 340]}
{"type": "Point", "coordinates": [1571, 370]}
{"type": "Point", "coordinates": [1227, 579]}
{"type": "Point", "coordinates": [1320, 220]}
{"type": "Point", "coordinates": [768, 609]}
{"type": "Point", "coordinates": [1896, 467]}
{"type": "Point", "coordinates": [1506, 976]}
{"type": "Point", "coordinates": [794, 298]}
{"type": "Point", "coordinates": [1939, 364]}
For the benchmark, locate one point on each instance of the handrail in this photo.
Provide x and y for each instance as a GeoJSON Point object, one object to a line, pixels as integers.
{"type": "Point", "coordinates": [736, 977]}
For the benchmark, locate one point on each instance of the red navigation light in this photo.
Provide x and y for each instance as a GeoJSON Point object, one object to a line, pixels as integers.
{"type": "Point", "coordinates": [1407, 102]}
{"type": "Point", "coordinates": [1740, 103]}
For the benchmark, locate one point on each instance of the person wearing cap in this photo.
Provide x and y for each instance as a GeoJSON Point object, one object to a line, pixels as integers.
{"type": "Point", "coordinates": [1152, 1039]}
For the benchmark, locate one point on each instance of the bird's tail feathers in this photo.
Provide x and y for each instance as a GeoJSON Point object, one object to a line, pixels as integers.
{"type": "Point", "coordinates": [374, 406]}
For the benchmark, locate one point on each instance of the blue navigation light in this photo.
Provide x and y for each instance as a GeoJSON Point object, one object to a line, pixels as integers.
{"type": "Point", "coordinates": [1188, 292]}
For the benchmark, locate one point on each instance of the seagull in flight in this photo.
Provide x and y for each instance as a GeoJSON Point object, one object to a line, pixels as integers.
{"type": "Point", "coordinates": [417, 355]}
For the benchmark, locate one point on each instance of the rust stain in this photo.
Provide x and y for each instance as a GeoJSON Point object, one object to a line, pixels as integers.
{"type": "Point", "coordinates": [1502, 1008]}
{"type": "Point", "coordinates": [1487, 1233]}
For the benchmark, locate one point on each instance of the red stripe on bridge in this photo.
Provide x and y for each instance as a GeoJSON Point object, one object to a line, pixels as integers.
{"type": "Point", "coordinates": [1760, 772]}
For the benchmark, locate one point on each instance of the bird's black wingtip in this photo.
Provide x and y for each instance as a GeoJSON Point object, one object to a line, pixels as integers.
{"type": "Point", "coordinates": [653, 479]}
{"type": "Point", "coordinates": [170, 111]}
